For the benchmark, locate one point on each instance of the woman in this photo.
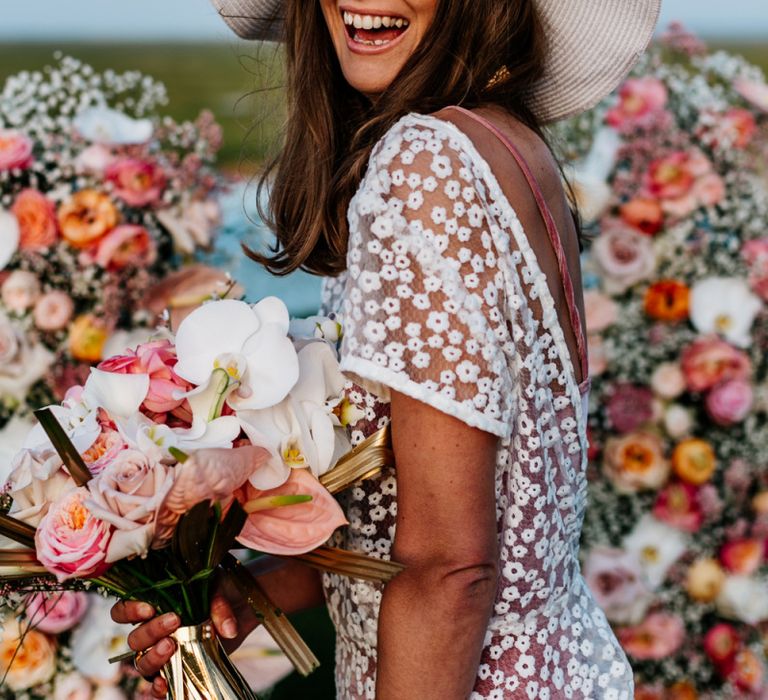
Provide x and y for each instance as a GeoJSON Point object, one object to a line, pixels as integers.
{"type": "Point", "coordinates": [415, 176]}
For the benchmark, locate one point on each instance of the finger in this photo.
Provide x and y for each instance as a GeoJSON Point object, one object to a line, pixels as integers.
{"type": "Point", "coordinates": [150, 633]}
{"type": "Point", "coordinates": [159, 688]}
{"type": "Point", "coordinates": [131, 612]}
{"type": "Point", "coordinates": [153, 660]}
{"type": "Point", "coordinates": [223, 618]}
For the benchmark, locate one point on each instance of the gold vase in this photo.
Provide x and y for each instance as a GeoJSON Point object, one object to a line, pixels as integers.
{"type": "Point", "coordinates": [201, 670]}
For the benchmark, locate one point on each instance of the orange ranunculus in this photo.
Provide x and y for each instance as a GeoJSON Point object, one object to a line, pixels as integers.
{"type": "Point", "coordinates": [36, 215]}
{"type": "Point", "coordinates": [87, 337]}
{"type": "Point", "coordinates": [86, 217]}
{"type": "Point", "coordinates": [694, 461]}
{"type": "Point", "coordinates": [668, 300]}
{"type": "Point", "coordinates": [644, 214]}
{"type": "Point", "coordinates": [682, 690]}
{"type": "Point", "coordinates": [636, 462]}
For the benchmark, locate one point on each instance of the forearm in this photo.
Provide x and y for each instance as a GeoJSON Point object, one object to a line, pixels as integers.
{"type": "Point", "coordinates": [432, 627]}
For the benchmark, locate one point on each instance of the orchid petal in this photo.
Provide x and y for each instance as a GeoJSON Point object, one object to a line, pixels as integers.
{"type": "Point", "coordinates": [324, 439]}
{"type": "Point", "coordinates": [293, 529]}
{"type": "Point", "coordinates": [273, 310]}
{"type": "Point", "coordinates": [82, 433]}
{"type": "Point", "coordinates": [119, 394]}
{"type": "Point", "coordinates": [320, 375]}
{"type": "Point", "coordinates": [213, 329]}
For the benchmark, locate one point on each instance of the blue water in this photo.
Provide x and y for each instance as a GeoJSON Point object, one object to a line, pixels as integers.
{"type": "Point", "coordinates": [241, 224]}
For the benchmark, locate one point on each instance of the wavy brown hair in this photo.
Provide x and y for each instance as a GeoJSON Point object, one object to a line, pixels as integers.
{"type": "Point", "coordinates": [477, 52]}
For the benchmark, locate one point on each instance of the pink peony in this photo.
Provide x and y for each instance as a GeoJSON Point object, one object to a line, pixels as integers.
{"type": "Point", "coordinates": [57, 611]}
{"type": "Point", "coordinates": [629, 407]}
{"type": "Point", "coordinates": [659, 635]}
{"type": "Point", "coordinates": [730, 402]}
{"type": "Point", "coordinates": [638, 98]}
{"type": "Point", "coordinates": [710, 361]}
{"type": "Point", "coordinates": [139, 183]}
{"type": "Point", "coordinates": [616, 581]}
{"type": "Point", "coordinates": [624, 255]}
{"type": "Point", "coordinates": [20, 290]}
{"type": "Point", "coordinates": [157, 359]}
{"type": "Point", "coordinates": [71, 542]}
{"type": "Point", "coordinates": [601, 311]}
{"type": "Point", "coordinates": [126, 246]}
{"type": "Point", "coordinates": [15, 150]}
{"type": "Point", "coordinates": [53, 311]}
{"type": "Point", "coordinates": [742, 557]}
{"type": "Point", "coordinates": [678, 505]}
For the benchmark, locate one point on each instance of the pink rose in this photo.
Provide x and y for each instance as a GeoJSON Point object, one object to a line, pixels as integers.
{"type": "Point", "coordinates": [53, 311]}
{"type": "Point", "coordinates": [20, 291]}
{"type": "Point", "coordinates": [15, 150]}
{"type": "Point", "coordinates": [710, 361]}
{"type": "Point", "coordinates": [638, 98]}
{"type": "Point", "coordinates": [668, 380]}
{"type": "Point", "coordinates": [624, 255]}
{"type": "Point", "coordinates": [95, 159]}
{"type": "Point", "coordinates": [139, 183]}
{"type": "Point", "coordinates": [157, 359]}
{"type": "Point", "coordinates": [659, 635]}
{"type": "Point", "coordinates": [57, 611]}
{"type": "Point", "coordinates": [736, 127]}
{"type": "Point", "coordinates": [709, 190]}
{"type": "Point", "coordinates": [104, 450]}
{"type": "Point", "coordinates": [70, 541]}
{"type": "Point", "coordinates": [127, 494]}
{"type": "Point", "coordinates": [730, 402]}
{"type": "Point", "coordinates": [616, 581]}
{"type": "Point", "coordinates": [126, 246]}
{"type": "Point", "coordinates": [601, 311]}
{"type": "Point", "coordinates": [678, 505]}
{"type": "Point", "coordinates": [629, 407]}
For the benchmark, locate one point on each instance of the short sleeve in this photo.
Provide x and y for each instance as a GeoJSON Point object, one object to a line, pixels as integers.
{"type": "Point", "coordinates": [424, 304]}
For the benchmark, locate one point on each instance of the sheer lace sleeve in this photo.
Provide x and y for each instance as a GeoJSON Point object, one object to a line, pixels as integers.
{"type": "Point", "coordinates": [424, 302]}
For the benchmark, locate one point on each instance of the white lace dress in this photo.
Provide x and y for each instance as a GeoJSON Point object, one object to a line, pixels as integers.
{"type": "Point", "coordinates": [444, 301]}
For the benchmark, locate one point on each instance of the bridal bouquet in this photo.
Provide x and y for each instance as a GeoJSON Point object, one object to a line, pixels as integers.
{"type": "Point", "coordinates": [672, 173]}
{"type": "Point", "coordinates": [100, 197]}
{"type": "Point", "coordinates": [228, 434]}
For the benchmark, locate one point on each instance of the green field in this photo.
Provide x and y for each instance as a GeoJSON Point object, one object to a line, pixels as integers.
{"type": "Point", "coordinates": [242, 84]}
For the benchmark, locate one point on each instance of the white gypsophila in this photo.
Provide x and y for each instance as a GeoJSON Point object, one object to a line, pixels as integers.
{"type": "Point", "coordinates": [725, 306]}
{"type": "Point", "coordinates": [657, 545]}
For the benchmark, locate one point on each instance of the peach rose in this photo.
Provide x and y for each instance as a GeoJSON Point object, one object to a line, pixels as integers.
{"type": "Point", "coordinates": [139, 183]}
{"type": "Point", "coordinates": [36, 215]}
{"type": "Point", "coordinates": [53, 311]}
{"type": "Point", "coordinates": [709, 190]}
{"type": "Point", "coordinates": [678, 421]}
{"type": "Point", "coordinates": [15, 150]}
{"type": "Point", "coordinates": [27, 657]}
{"type": "Point", "coordinates": [638, 99]}
{"type": "Point", "coordinates": [86, 217]}
{"type": "Point", "coordinates": [598, 355]}
{"type": "Point", "coordinates": [644, 214]}
{"type": "Point", "coordinates": [601, 311]}
{"type": "Point", "coordinates": [705, 580]}
{"type": "Point", "coordinates": [710, 361]}
{"type": "Point", "coordinates": [668, 380]}
{"type": "Point", "coordinates": [694, 461]}
{"type": "Point", "coordinates": [87, 337]}
{"type": "Point", "coordinates": [659, 635]}
{"type": "Point", "coordinates": [636, 462]}
{"type": "Point", "coordinates": [126, 246]}
{"type": "Point", "coordinates": [55, 612]}
{"type": "Point", "coordinates": [748, 672]}
{"type": "Point", "coordinates": [102, 452]}
{"type": "Point", "coordinates": [625, 257]}
{"type": "Point", "coordinates": [20, 291]}
{"type": "Point", "coordinates": [730, 402]}
{"type": "Point", "coordinates": [71, 542]}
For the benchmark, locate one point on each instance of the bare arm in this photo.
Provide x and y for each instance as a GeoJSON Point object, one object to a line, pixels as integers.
{"type": "Point", "coordinates": [434, 615]}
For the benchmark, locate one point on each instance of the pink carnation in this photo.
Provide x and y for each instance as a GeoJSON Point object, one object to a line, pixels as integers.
{"type": "Point", "coordinates": [658, 636]}
{"type": "Point", "coordinates": [126, 246]}
{"type": "Point", "coordinates": [730, 402]}
{"type": "Point", "coordinates": [638, 98]}
{"type": "Point", "coordinates": [15, 150]}
{"type": "Point", "coordinates": [57, 611]}
{"type": "Point", "coordinates": [710, 361]}
{"type": "Point", "coordinates": [69, 541]}
{"type": "Point", "coordinates": [157, 359]}
{"type": "Point", "coordinates": [139, 183]}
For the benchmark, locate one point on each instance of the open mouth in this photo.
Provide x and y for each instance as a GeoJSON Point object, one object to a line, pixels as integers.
{"type": "Point", "coordinates": [374, 30]}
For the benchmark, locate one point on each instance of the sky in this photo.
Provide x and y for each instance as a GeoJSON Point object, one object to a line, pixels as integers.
{"type": "Point", "coordinates": [47, 20]}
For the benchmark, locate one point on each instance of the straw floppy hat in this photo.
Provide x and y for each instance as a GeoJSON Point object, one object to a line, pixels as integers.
{"type": "Point", "coordinates": [593, 44]}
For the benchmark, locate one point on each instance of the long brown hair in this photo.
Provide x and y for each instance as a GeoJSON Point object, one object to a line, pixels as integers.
{"type": "Point", "coordinates": [477, 52]}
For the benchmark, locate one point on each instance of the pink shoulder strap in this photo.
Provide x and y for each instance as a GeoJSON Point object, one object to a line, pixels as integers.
{"type": "Point", "coordinates": [554, 236]}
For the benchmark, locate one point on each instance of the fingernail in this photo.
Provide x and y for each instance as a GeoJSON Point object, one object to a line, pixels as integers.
{"type": "Point", "coordinates": [165, 647]}
{"type": "Point", "coordinates": [171, 621]}
{"type": "Point", "coordinates": [146, 611]}
{"type": "Point", "coordinates": [229, 628]}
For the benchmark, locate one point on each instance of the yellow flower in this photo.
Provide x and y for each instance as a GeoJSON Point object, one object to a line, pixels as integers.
{"type": "Point", "coordinates": [705, 579]}
{"type": "Point", "coordinates": [694, 461]}
{"type": "Point", "coordinates": [87, 337]}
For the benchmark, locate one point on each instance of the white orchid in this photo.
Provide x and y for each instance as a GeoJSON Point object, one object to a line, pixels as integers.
{"type": "Point", "coordinates": [305, 430]}
{"type": "Point", "coordinates": [250, 344]}
{"type": "Point", "coordinates": [726, 306]}
{"type": "Point", "coordinates": [9, 237]}
{"type": "Point", "coordinates": [316, 328]}
{"type": "Point", "coordinates": [112, 128]}
{"type": "Point", "coordinates": [657, 545]}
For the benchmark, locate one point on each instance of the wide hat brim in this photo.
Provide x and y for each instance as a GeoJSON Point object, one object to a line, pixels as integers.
{"type": "Point", "coordinates": [591, 45]}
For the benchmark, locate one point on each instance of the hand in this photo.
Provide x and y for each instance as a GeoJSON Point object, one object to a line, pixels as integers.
{"type": "Point", "coordinates": [152, 636]}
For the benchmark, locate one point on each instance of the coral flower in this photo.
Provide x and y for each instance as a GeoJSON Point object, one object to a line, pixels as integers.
{"type": "Point", "coordinates": [636, 462]}
{"type": "Point", "coordinates": [748, 672]}
{"type": "Point", "coordinates": [638, 98]}
{"type": "Point", "coordinates": [668, 300]}
{"type": "Point", "coordinates": [709, 361]}
{"type": "Point", "coordinates": [737, 127]}
{"type": "Point", "coordinates": [659, 635]}
{"type": "Point", "coordinates": [125, 246]}
{"type": "Point", "coordinates": [670, 177]}
{"type": "Point", "coordinates": [742, 557]}
{"type": "Point", "coordinates": [86, 217]}
{"type": "Point", "coordinates": [139, 183]}
{"type": "Point", "coordinates": [644, 214]}
{"type": "Point", "coordinates": [694, 461]}
{"type": "Point", "coordinates": [678, 506]}
{"type": "Point", "coordinates": [36, 215]}
{"type": "Point", "coordinates": [87, 336]}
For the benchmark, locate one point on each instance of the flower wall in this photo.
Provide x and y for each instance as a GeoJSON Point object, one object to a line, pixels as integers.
{"type": "Point", "coordinates": [671, 176]}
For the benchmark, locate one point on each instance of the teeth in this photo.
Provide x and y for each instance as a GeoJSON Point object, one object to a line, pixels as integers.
{"type": "Point", "coordinates": [373, 21]}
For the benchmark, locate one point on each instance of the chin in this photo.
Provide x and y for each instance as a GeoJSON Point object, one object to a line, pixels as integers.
{"type": "Point", "coordinates": [370, 80]}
